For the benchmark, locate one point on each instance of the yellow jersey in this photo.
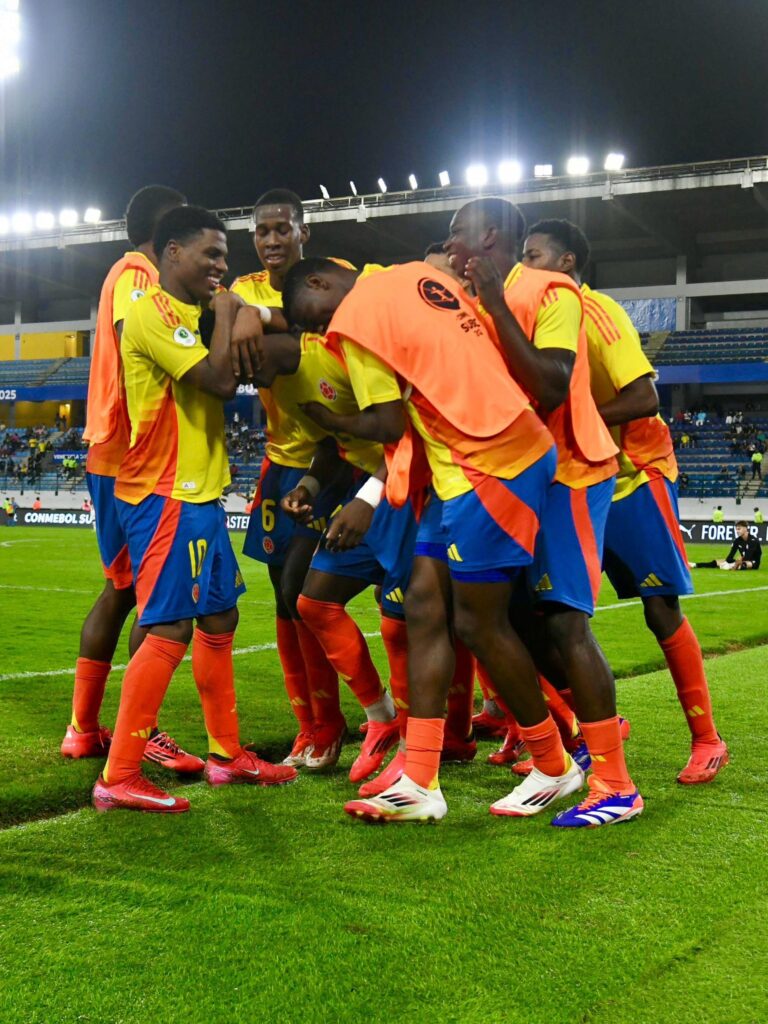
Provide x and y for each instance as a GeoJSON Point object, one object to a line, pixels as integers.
{"type": "Point", "coordinates": [616, 359]}
{"type": "Point", "coordinates": [178, 446]}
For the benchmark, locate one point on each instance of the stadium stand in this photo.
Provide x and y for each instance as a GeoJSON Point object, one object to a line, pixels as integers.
{"type": "Point", "coordinates": [724, 345]}
{"type": "Point", "coordinates": [716, 462]}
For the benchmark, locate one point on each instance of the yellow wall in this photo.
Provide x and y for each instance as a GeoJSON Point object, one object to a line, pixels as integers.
{"type": "Point", "coordinates": [7, 346]}
{"type": "Point", "coordinates": [52, 345]}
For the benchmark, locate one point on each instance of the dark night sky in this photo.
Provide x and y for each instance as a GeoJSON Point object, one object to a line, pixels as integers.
{"type": "Point", "coordinates": [224, 99]}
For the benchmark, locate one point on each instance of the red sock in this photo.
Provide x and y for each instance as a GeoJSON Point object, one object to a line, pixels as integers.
{"type": "Point", "coordinates": [686, 666]}
{"type": "Point", "coordinates": [567, 696]}
{"type": "Point", "coordinates": [294, 673]}
{"type": "Point", "coordinates": [90, 683]}
{"type": "Point", "coordinates": [546, 747]}
{"type": "Point", "coordinates": [423, 743]}
{"type": "Point", "coordinates": [565, 719]}
{"type": "Point", "coordinates": [461, 695]}
{"type": "Point", "coordinates": [606, 749]}
{"type": "Point", "coordinates": [144, 685]}
{"type": "Point", "coordinates": [394, 633]}
{"type": "Point", "coordinates": [323, 679]}
{"type": "Point", "coordinates": [486, 685]}
{"type": "Point", "coordinates": [215, 680]}
{"type": "Point", "coordinates": [344, 645]}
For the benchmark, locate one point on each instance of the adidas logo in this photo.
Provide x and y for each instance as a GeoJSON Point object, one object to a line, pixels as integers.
{"type": "Point", "coordinates": [545, 583]}
{"type": "Point", "coordinates": [652, 580]}
{"type": "Point", "coordinates": [453, 554]}
{"type": "Point", "coordinates": [143, 734]}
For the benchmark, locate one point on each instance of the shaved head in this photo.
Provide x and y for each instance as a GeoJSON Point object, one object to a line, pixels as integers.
{"type": "Point", "coordinates": [485, 227]}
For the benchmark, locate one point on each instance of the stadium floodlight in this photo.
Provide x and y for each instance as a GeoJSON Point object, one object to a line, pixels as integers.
{"type": "Point", "coordinates": [92, 215]}
{"type": "Point", "coordinates": [5, 224]}
{"type": "Point", "coordinates": [45, 221]}
{"type": "Point", "coordinates": [382, 185]}
{"type": "Point", "coordinates": [324, 192]}
{"type": "Point", "coordinates": [509, 172]}
{"type": "Point", "coordinates": [68, 218]}
{"type": "Point", "coordinates": [614, 162]}
{"type": "Point", "coordinates": [353, 187]}
{"type": "Point", "coordinates": [21, 222]}
{"type": "Point", "coordinates": [542, 170]}
{"type": "Point", "coordinates": [412, 182]}
{"type": "Point", "coordinates": [10, 35]}
{"type": "Point", "coordinates": [577, 165]}
{"type": "Point", "coordinates": [444, 178]}
{"type": "Point", "coordinates": [476, 175]}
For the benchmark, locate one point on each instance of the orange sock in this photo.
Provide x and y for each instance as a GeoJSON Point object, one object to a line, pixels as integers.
{"type": "Point", "coordinates": [686, 666]}
{"type": "Point", "coordinates": [323, 679]}
{"type": "Point", "coordinates": [606, 749]}
{"type": "Point", "coordinates": [546, 747]}
{"type": "Point", "coordinates": [214, 676]}
{"type": "Point", "coordinates": [486, 685]}
{"type": "Point", "coordinates": [565, 719]}
{"type": "Point", "coordinates": [294, 673]}
{"type": "Point", "coordinates": [423, 744]}
{"type": "Point", "coordinates": [144, 685]}
{"type": "Point", "coordinates": [567, 696]}
{"type": "Point", "coordinates": [394, 633]}
{"type": "Point", "coordinates": [90, 683]}
{"type": "Point", "coordinates": [461, 695]}
{"type": "Point", "coordinates": [344, 645]}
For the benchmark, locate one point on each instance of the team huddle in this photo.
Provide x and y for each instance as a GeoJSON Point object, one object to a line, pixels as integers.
{"type": "Point", "coordinates": [474, 435]}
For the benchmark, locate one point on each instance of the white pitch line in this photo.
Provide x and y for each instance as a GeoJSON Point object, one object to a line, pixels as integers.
{"type": "Point", "coordinates": [683, 597]}
{"type": "Point", "coordinates": [43, 590]}
{"type": "Point", "coordinates": [237, 653]}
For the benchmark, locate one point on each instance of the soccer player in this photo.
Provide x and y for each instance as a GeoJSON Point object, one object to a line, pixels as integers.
{"type": "Point", "coordinates": [108, 431]}
{"type": "Point", "coordinates": [644, 552]}
{"type": "Point", "coordinates": [490, 463]}
{"type": "Point", "coordinates": [745, 553]}
{"type": "Point", "coordinates": [273, 537]}
{"type": "Point", "coordinates": [541, 335]}
{"type": "Point", "coordinates": [168, 492]}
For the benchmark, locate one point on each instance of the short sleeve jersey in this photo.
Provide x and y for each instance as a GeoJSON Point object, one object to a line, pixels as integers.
{"type": "Point", "coordinates": [616, 359]}
{"type": "Point", "coordinates": [178, 446]}
{"type": "Point", "coordinates": [107, 427]}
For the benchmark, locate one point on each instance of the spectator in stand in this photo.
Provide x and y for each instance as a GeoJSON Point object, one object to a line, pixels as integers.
{"type": "Point", "coordinates": [685, 440]}
{"type": "Point", "coordinates": [759, 517]}
{"type": "Point", "coordinates": [744, 554]}
{"type": "Point", "coordinates": [37, 504]}
{"type": "Point", "coordinates": [718, 516]}
{"type": "Point", "coordinates": [757, 465]}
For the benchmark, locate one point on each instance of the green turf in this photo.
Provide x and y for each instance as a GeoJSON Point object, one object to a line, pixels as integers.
{"type": "Point", "coordinates": [271, 905]}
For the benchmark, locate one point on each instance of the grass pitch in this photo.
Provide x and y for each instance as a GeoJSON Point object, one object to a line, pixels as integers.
{"type": "Point", "coordinates": [272, 905]}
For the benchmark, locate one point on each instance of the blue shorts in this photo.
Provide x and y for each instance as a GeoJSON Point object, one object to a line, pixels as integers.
{"type": "Point", "coordinates": [270, 529]}
{"type": "Point", "coordinates": [431, 537]}
{"type": "Point", "coordinates": [644, 551]}
{"type": "Point", "coordinates": [113, 547]}
{"type": "Point", "coordinates": [184, 565]}
{"type": "Point", "coordinates": [384, 558]}
{"type": "Point", "coordinates": [490, 532]}
{"type": "Point", "coordinates": [567, 566]}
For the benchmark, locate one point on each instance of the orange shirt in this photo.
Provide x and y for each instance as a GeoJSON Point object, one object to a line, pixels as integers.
{"type": "Point", "coordinates": [107, 427]}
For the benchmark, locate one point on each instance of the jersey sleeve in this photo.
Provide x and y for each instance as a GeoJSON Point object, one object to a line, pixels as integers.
{"type": "Point", "coordinates": [617, 342]}
{"type": "Point", "coordinates": [175, 349]}
{"type": "Point", "coordinates": [558, 320]}
{"type": "Point", "coordinates": [128, 288]}
{"type": "Point", "coordinates": [373, 382]}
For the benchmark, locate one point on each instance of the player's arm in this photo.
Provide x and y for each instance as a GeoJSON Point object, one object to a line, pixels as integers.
{"type": "Point", "coordinates": [635, 401]}
{"type": "Point", "coordinates": [279, 355]}
{"type": "Point", "coordinates": [350, 525]}
{"type": "Point", "coordinates": [545, 373]}
{"type": "Point", "coordinates": [325, 466]}
{"type": "Point", "coordinates": [214, 374]}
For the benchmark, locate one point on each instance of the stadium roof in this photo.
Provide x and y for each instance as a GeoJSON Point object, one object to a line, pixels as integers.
{"type": "Point", "coordinates": [652, 215]}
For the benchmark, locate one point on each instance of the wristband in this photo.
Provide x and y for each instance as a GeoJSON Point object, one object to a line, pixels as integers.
{"type": "Point", "coordinates": [265, 313]}
{"type": "Point", "coordinates": [311, 484]}
{"type": "Point", "coordinates": [371, 492]}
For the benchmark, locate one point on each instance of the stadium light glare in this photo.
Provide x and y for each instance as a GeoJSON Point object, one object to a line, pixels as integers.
{"type": "Point", "coordinates": [5, 224]}
{"type": "Point", "coordinates": [45, 221]}
{"type": "Point", "coordinates": [382, 185]}
{"type": "Point", "coordinates": [614, 162]}
{"type": "Point", "coordinates": [21, 222]}
{"type": "Point", "coordinates": [353, 187]}
{"type": "Point", "coordinates": [10, 36]}
{"type": "Point", "coordinates": [577, 165]}
{"type": "Point", "coordinates": [509, 172]}
{"type": "Point", "coordinates": [324, 192]}
{"type": "Point", "coordinates": [92, 215]}
{"type": "Point", "coordinates": [413, 182]}
{"type": "Point", "coordinates": [476, 175]}
{"type": "Point", "coordinates": [444, 178]}
{"type": "Point", "coordinates": [68, 218]}
{"type": "Point", "coordinates": [542, 170]}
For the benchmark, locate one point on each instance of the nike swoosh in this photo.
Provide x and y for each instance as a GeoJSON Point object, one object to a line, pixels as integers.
{"type": "Point", "coordinates": [249, 772]}
{"type": "Point", "coordinates": [167, 802]}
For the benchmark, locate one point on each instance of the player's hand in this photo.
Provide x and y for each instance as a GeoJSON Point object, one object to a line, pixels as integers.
{"type": "Point", "coordinates": [486, 281]}
{"type": "Point", "coordinates": [349, 526]}
{"type": "Point", "coordinates": [245, 343]}
{"type": "Point", "coordinates": [323, 416]}
{"type": "Point", "coordinates": [298, 504]}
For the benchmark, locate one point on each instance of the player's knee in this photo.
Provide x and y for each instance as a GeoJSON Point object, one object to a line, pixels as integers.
{"type": "Point", "coordinates": [180, 632]}
{"type": "Point", "coordinates": [568, 628]}
{"type": "Point", "coordinates": [311, 610]}
{"type": "Point", "coordinates": [423, 609]}
{"type": "Point", "coordinates": [662, 616]}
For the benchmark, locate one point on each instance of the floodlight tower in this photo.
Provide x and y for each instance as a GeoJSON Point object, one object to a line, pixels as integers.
{"type": "Point", "coordinates": [10, 37]}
